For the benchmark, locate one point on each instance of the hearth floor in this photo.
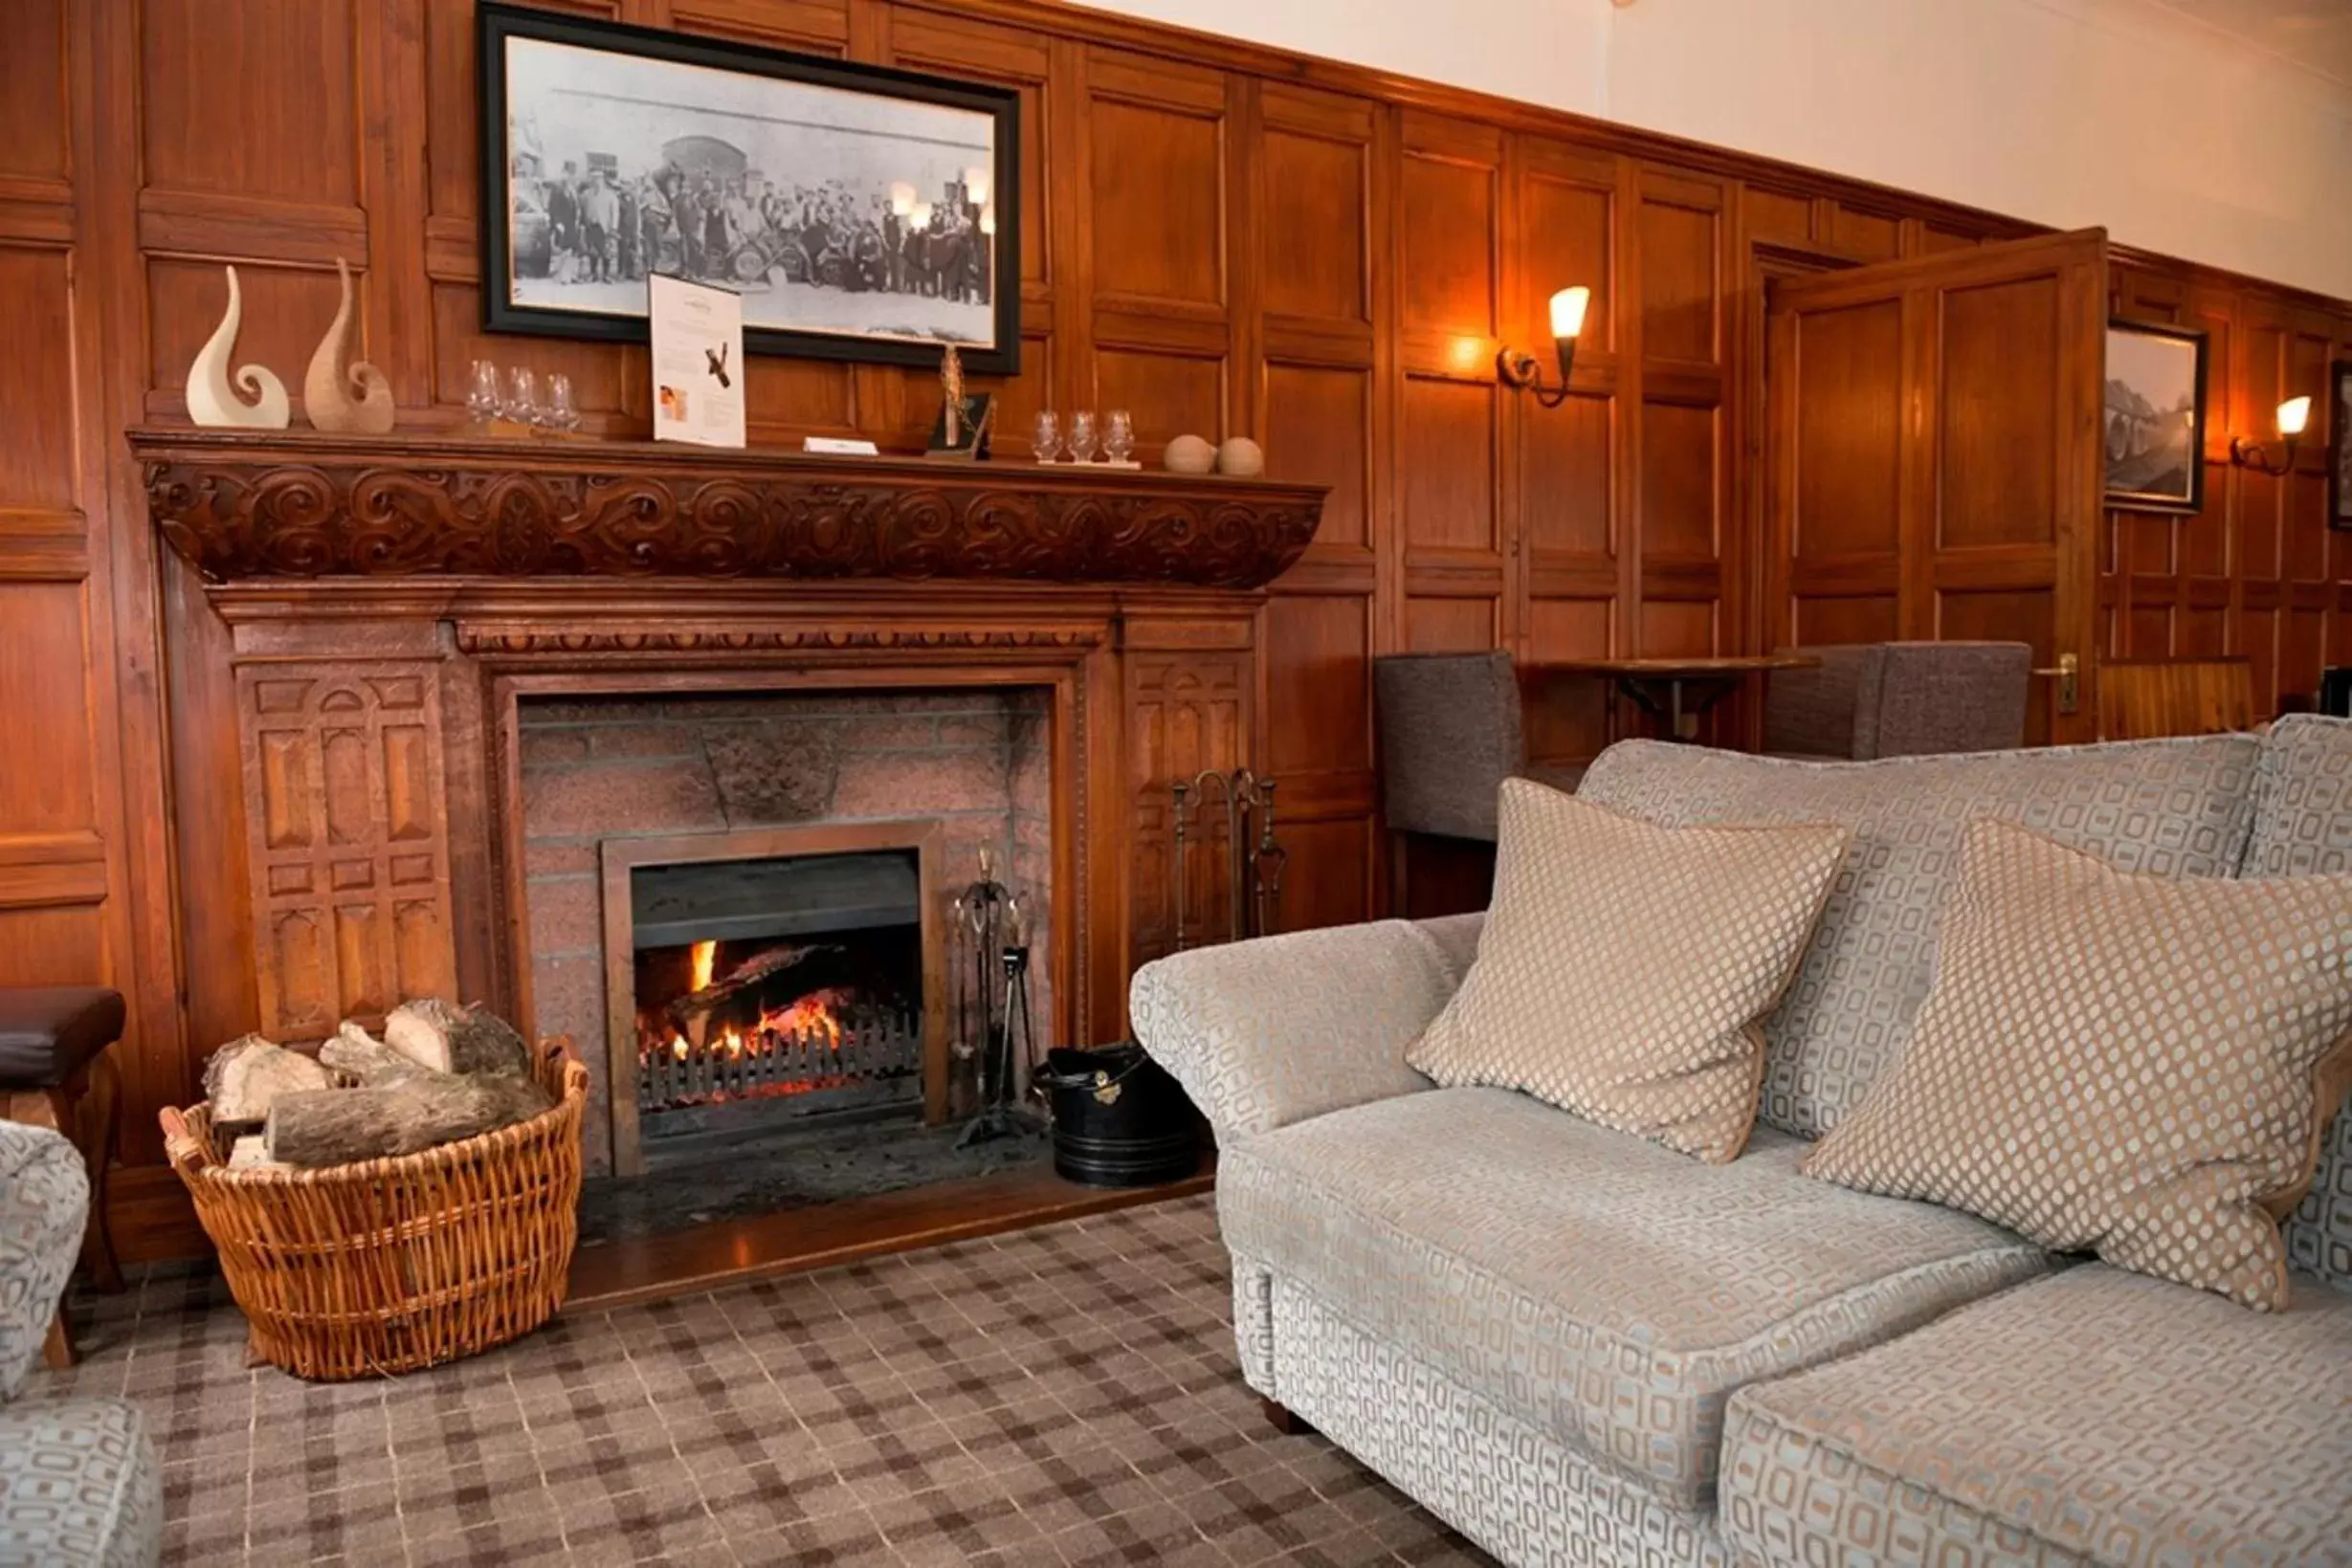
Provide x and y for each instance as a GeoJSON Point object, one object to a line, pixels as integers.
{"type": "Point", "coordinates": [793, 1168]}
{"type": "Point", "coordinates": [1062, 1395]}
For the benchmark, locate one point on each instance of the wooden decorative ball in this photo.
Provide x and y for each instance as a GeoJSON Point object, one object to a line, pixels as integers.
{"type": "Point", "coordinates": [1190, 455]}
{"type": "Point", "coordinates": [1241, 458]}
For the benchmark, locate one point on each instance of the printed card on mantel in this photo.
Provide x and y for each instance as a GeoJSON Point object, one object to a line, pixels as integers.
{"type": "Point", "coordinates": [697, 339]}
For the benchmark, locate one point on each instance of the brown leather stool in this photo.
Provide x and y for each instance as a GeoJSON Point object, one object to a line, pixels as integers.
{"type": "Point", "coordinates": [56, 1073]}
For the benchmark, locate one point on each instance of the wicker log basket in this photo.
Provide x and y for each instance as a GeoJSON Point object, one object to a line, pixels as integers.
{"type": "Point", "coordinates": [388, 1266]}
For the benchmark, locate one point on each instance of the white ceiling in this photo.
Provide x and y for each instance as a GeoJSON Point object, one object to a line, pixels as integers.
{"type": "Point", "coordinates": [2315, 34]}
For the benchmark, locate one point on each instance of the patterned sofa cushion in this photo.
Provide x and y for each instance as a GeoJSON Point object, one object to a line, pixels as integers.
{"type": "Point", "coordinates": [1604, 1289]}
{"type": "Point", "coordinates": [2096, 1417]}
{"type": "Point", "coordinates": [2303, 828]}
{"type": "Point", "coordinates": [2172, 807]}
{"type": "Point", "coordinates": [78, 1483]}
{"type": "Point", "coordinates": [44, 1196]}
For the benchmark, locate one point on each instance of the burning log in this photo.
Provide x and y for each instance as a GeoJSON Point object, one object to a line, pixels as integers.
{"type": "Point", "coordinates": [470, 1041]}
{"type": "Point", "coordinates": [246, 1077]}
{"type": "Point", "coordinates": [337, 1126]}
{"type": "Point", "coordinates": [688, 1010]}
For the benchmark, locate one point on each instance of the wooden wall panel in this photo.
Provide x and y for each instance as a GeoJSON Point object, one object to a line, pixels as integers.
{"type": "Point", "coordinates": [2257, 571]}
{"type": "Point", "coordinates": [1221, 239]}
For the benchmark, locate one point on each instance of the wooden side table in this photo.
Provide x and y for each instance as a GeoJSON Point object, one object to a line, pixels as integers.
{"type": "Point", "coordinates": [56, 1072]}
{"type": "Point", "coordinates": [1678, 690]}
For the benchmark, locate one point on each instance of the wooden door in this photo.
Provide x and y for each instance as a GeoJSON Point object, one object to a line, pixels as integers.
{"type": "Point", "coordinates": [1934, 456]}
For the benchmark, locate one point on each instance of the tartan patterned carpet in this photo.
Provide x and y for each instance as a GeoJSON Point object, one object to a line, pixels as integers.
{"type": "Point", "coordinates": [1065, 1395]}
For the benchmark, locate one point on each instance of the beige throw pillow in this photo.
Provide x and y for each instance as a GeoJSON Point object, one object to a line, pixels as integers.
{"type": "Point", "coordinates": [1624, 967]}
{"type": "Point", "coordinates": [2139, 1066]}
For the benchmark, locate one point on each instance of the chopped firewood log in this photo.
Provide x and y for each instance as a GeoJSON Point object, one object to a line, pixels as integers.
{"type": "Point", "coordinates": [743, 977]}
{"type": "Point", "coordinates": [337, 1126]}
{"type": "Point", "coordinates": [461, 1040]}
{"type": "Point", "coordinates": [251, 1154]}
{"type": "Point", "coordinates": [246, 1077]}
{"type": "Point", "coordinates": [367, 1058]}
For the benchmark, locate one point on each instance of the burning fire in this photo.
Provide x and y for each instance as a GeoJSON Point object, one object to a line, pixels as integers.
{"type": "Point", "coordinates": [816, 1016]}
{"type": "Point", "coordinates": [705, 959]}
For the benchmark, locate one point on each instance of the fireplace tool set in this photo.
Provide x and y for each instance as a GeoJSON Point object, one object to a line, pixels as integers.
{"type": "Point", "coordinates": [1254, 861]}
{"type": "Point", "coordinates": [993, 1021]}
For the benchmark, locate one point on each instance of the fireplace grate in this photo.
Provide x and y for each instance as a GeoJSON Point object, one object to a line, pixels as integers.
{"type": "Point", "coordinates": [852, 1048]}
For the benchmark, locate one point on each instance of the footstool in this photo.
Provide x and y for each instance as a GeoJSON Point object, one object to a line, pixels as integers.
{"type": "Point", "coordinates": [56, 1073]}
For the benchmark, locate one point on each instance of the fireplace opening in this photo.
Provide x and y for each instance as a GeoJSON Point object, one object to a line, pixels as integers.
{"type": "Point", "coordinates": [773, 988]}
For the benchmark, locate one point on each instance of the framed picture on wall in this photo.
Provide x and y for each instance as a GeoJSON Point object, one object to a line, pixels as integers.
{"type": "Point", "coordinates": [2154, 424]}
{"type": "Point", "coordinates": [2340, 444]}
{"type": "Point", "coordinates": [861, 213]}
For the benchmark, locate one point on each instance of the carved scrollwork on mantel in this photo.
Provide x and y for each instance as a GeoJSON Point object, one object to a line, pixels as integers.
{"type": "Point", "coordinates": [508, 638]}
{"type": "Point", "coordinates": [238, 505]}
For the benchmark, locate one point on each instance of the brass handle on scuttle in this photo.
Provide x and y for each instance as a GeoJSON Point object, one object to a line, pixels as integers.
{"type": "Point", "coordinates": [2069, 672]}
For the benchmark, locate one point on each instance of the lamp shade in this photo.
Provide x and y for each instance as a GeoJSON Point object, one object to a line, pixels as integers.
{"type": "Point", "coordinates": [920, 217]}
{"type": "Point", "coordinates": [976, 186]}
{"type": "Point", "coordinates": [2295, 417]}
{"type": "Point", "coordinates": [901, 199]}
{"type": "Point", "coordinates": [1569, 307]}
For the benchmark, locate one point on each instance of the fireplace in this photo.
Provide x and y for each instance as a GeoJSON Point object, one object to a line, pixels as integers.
{"type": "Point", "coordinates": [739, 901]}
{"type": "Point", "coordinates": [770, 975]}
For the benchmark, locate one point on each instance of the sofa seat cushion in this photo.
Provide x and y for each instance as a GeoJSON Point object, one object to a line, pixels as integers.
{"type": "Point", "coordinates": [78, 1483]}
{"type": "Point", "coordinates": [2177, 807]}
{"type": "Point", "coordinates": [2097, 1417]}
{"type": "Point", "coordinates": [1604, 1289]}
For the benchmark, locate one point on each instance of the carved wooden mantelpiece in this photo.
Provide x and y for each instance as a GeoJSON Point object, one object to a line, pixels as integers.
{"type": "Point", "coordinates": [246, 504]}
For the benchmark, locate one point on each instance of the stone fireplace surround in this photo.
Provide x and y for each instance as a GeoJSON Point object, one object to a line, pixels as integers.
{"type": "Point", "coordinates": [593, 769]}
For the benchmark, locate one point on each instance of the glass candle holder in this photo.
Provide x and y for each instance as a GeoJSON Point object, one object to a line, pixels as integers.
{"type": "Point", "coordinates": [1082, 436]}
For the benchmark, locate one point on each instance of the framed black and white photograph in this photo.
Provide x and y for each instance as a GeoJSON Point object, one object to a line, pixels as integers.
{"type": "Point", "coordinates": [2154, 417]}
{"type": "Point", "coordinates": [2340, 444]}
{"type": "Point", "coordinates": [861, 213]}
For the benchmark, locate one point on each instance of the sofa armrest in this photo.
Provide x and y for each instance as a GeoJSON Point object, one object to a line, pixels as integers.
{"type": "Point", "coordinates": [1267, 1033]}
{"type": "Point", "coordinates": [44, 1197]}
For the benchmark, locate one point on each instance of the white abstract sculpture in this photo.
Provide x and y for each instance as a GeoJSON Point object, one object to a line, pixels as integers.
{"type": "Point", "coordinates": [360, 400]}
{"type": "Point", "coordinates": [211, 400]}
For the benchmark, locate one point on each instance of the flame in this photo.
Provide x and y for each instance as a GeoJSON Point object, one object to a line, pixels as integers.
{"type": "Point", "coordinates": [816, 1016]}
{"type": "Point", "coordinates": [705, 960]}
{"type": "Point", "coordinates": [812, 1014]}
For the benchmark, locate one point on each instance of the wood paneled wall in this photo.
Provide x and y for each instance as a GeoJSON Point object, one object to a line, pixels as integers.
{"type": "Point", "coordinates": [1222, 238]}
{"type": "Point", "coordinates": [2258, 571]}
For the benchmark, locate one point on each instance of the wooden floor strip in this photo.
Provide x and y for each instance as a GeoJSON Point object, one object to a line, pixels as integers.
{"type": "Point", "coordinates": [731, 1252]}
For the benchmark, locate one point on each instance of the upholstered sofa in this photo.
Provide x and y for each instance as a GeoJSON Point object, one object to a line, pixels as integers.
{"type": "Point", "coordinates": [1579, 1347]}
{"type": "Point", "coordinates": [79, 1483]}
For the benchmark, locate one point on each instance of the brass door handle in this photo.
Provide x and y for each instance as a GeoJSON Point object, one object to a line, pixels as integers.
{"type": "Point", "coordinates": [2068, 672]}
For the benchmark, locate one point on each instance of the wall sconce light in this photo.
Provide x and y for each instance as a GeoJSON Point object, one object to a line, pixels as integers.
{"type": "Point", "coordinates": [2294, 418]}
{"type": "Point", "coordinates": [1520, 371]}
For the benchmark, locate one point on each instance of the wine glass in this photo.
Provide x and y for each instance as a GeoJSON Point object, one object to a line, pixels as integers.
{"type": "Point", "coordinates": [1117, 436]}
{"type": "Point", "coordinates": [560, 413]}
{"type": "Point", "coordinates": [1082, 436]}
{"type": "Point", "coordinates": [1046, 441]}
{"type": "Point", "coordinates": [522, 404]}
{"type": "Point", "coordinates": [481, 395]}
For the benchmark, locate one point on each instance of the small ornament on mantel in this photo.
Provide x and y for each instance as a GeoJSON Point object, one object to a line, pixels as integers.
{"type": "Point", "coordinates": [1241, 458]}
{"type": "Point", "coordinates": [359, 399]}
{"type": "Point", "coordinates": [212, 398]}
{"type": "Point", "coordinates": [962, 429]}
{"type": "Point", "coordinates": [1190, 455]}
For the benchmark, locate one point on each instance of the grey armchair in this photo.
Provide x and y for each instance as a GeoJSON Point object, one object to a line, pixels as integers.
{"type": "Point", "coordinates": [78, 1482]}
{"type": "Point", "coordinates": [1900, 699]}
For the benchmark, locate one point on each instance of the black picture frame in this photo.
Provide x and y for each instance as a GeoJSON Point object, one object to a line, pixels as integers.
{"type": "Point", "coordinates": [2129, 418]}
{"type": "Point", "coordinates": [498, 24]}
{"type": "Point", "coordinates": [2340, 444]}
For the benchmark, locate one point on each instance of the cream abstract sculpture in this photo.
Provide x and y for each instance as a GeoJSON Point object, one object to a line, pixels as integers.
{"type": "Point", "coordinates": [211, 400]}
{"type": "Point", "coordinates": [335, 399]}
